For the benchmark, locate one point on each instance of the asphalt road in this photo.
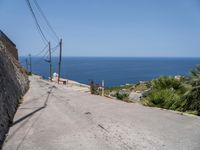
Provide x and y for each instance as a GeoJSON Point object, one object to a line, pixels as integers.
{"type": "Point", "coordinates": [54, 117]}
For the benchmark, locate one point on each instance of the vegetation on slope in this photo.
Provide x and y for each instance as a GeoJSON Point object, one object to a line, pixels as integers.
{"type": "Point", "coordinates": [192, 97]}
{"type": "Point", "coordinates": [170, 93]}
{"type": "Point", "coordinates": [181, 94]}
{"type": "Point", "coordinates": [123, 92]}
{"type": "Point", "coordinates": [166, 93]}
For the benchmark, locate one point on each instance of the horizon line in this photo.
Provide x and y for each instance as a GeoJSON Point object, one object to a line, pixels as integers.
{"type": "Point", "coordinates": [122, 56]}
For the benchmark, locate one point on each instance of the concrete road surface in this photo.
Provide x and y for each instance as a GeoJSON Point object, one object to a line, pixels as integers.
{"type": "Point", "coordinates": [57, 117]}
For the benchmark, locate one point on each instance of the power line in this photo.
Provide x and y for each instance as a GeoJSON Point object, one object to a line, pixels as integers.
{"type": "Point", "coordinates": [45, 18]}
{"type": "Point", "coordinates": [36, 21]}
{"type": "Point", "coordinates": [40, 60]}
{"type": "Point", "coordinates": [53, 51]}
{"type": "Point", "coordinates": [34, 12]}
{"type": "Point", "coordinates": [45, 55]}
{"type": "Point", "coordinates": [55, 48]}
{"type": "Point", "coordinates": [38, 54]}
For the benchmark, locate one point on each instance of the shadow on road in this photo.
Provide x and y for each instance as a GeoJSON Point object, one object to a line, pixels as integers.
{"type": "Point", "coordinates": [33, 112]}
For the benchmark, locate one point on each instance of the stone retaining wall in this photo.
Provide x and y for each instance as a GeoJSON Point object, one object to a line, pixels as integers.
{"type": "Point", "coordinates": [13, 85]}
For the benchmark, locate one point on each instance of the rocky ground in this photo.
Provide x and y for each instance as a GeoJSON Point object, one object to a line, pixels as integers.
{"type": "Point", "coordinates": [58, 117]}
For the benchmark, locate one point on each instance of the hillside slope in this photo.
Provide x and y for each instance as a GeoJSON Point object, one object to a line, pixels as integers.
{"type": "Point", "coordinates": [68, 117]}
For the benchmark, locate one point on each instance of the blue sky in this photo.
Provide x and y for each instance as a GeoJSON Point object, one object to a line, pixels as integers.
{"type": "Point", "coordinates": [147, 28]}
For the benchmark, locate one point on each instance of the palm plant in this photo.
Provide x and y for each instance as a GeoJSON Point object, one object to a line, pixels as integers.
{"type": "Point", "coordinates": [165, 82]}
{"type": "Point", "coordinates": [166, 93]}
{"type": "Point", "coordinates": [193, 95]}
{"type": "Point", "coordinates": [195, 76]}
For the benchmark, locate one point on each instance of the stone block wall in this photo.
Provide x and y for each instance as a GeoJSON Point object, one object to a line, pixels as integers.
{"type": "Point", "coordinates": [13, 85]}
{"type": "Point", "coordinates": [10, 46]}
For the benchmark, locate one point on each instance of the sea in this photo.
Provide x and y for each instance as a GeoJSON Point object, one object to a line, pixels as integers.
{"type": "Point", "coordinates": [115, 71]}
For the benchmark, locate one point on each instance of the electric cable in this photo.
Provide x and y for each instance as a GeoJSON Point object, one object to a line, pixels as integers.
{"type": "Point", "coordinates": [38, 54]}
{"type": "Point", "coordinates": [36, 21]}
{"type": "Point", "coordinates": [46, 20]}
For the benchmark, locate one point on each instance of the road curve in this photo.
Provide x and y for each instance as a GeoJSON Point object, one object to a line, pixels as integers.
{"type": "Point", "coordinates": [57, 117]}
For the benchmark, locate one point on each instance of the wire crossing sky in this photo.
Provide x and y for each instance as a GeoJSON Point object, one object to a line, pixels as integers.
{"type": "Point", "coordinates": [36, 21]}
{"type": "Point", "coordinates": [117, 28]}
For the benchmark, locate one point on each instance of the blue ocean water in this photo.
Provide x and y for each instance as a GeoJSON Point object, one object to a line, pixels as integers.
{"type": "Point", "coordinates": [114, 71]}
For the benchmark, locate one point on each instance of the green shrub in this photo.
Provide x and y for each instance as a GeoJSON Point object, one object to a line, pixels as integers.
{"type": "Point", "coordinates": [118, 88]}
{"type": "Point", "coordinates": [122, 96]}
{"type": "Point", "coordinates": [166, 98]}
{"type": "Point", "coordinates": [195, 76]}
{"type": "Point", "coordinates": [141, 87]}
{"type": "Point", "coordinates": [167, 83]}
{"type": "Point", "coordinates": [166, 93]}
{"type": "Point", "coordinates": [93, 88]}
{"type": "Point", "coordinates": [170, 93]}
{"type": "Point", "coordinates": [193, 95]}
{"type": "Point", "coordinates": [193, 100]}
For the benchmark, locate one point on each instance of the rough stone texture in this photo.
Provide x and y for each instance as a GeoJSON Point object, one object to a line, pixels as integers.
{"type": "Point", "coordinates": [10, 46]}
{"type": "Point", "coordinates": [134, 96]}
{"type": "Point", "coordinates": [13, 85]}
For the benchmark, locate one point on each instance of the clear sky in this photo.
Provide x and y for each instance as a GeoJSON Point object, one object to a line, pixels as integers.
{"type": "Point", "coordinates": [148, 28]}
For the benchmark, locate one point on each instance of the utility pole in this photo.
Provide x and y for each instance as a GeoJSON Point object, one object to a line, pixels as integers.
{"type": "Point", "coordinates": [102, 87]}
{"type": "Point", "coordinates": [27, 64]}
{"type": "Point", "coordinates": [59, 63]}
{"type": "Point", "coordinates": [50, 65]}
{"type": "Point", "coordinates": [30, 62]}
